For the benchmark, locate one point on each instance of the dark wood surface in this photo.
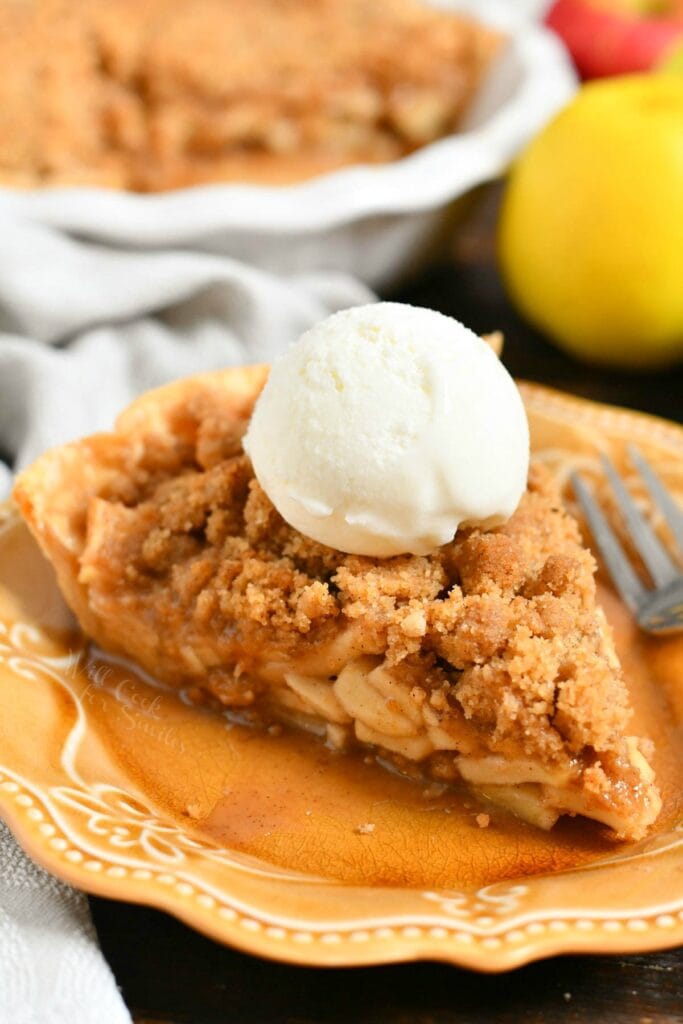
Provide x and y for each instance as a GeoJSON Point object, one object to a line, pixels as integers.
{"type": "Point", "coordinates": [169, 973]}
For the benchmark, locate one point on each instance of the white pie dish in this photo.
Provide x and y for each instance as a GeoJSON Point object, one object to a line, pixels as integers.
{"type": "Point", "coordinates": [377, 222]}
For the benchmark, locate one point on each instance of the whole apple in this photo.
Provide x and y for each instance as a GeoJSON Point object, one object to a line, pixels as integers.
{"type": "Point", "coordinates": [591, 229]}
{"type": "Point", "coordinates": [615, 37]}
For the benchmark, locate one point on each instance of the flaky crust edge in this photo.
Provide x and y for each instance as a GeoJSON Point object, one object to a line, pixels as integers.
{"type": "Point", "coordinates": [53, 493]}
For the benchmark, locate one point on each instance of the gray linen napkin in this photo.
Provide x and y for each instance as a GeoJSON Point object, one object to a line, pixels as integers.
{"type": "Point", "coordinates": [84, 328]}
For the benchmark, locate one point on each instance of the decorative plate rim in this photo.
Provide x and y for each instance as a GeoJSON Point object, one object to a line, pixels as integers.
{"type": "Point", "coordinates": [501, 950]}
{"type": "Point", "coordinates": [488, 930]}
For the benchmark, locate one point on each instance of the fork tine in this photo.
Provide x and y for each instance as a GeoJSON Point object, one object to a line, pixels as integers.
{"type": "Point", "coordinates": [659, 565]}
{"type": "Point", "coordinates": [661, 497]}
{"type": "Point", "coordinates": [625, 579]}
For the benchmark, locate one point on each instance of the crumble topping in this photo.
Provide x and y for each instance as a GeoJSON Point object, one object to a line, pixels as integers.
{"type": "Point", "coordinates": [158, 94]}
{"type": "Point", "coordinates": [188, 559]}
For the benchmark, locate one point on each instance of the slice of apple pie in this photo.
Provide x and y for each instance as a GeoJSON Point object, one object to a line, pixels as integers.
{"type": "Point", "coordinates": [486, 660]}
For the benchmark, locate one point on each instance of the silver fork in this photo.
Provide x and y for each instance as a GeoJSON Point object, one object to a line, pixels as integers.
{"type": "Point", "coordinates": [658, 609]}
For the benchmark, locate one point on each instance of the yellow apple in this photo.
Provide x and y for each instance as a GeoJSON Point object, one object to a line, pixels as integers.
{"type": "Point", "coordinates": [591, 228]}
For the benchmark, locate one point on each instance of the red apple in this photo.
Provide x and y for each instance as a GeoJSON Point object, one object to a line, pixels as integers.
{"type": "Point", "coordinates": [615, 37]}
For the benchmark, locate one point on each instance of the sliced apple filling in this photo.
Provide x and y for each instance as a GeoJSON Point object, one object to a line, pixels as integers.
{"type": "Point", "coordinates": [364, 704]}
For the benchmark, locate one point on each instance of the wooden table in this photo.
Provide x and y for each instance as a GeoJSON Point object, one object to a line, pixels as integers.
{"type": "Point", "coordinates": [169, 973]}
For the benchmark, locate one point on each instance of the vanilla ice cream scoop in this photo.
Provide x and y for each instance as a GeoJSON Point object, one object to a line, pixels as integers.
{"type": "Point", "coordinates": [385, 427]}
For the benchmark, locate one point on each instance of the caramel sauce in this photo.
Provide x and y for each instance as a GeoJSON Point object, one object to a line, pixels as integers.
{"type": "Point", "coordinates": [290, 801]}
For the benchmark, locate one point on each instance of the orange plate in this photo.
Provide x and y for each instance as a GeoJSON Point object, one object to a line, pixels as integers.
{"type": "Point", "coordinates": [282, 848]}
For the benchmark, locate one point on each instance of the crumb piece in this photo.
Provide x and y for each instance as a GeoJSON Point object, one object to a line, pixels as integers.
{"type": "Point", "coordinates": [434, 791]}
{"type": "Point", "coordinates": [364, 830]}
{"type": "Point", "coordinates": [483, 820]}
{"type": "Point", "coordinates": [193, 811]}
{"type": "Point", "coordinates": [495, 340]}
{"type": "Point", "coordinates": [567, 996]}
{"type": "Point", "coordinates": [414, 624]}
{"type": "Point", "coordinates": [275, 730]}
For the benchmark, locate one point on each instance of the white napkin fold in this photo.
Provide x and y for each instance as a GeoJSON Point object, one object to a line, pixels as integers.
{"type": "Point", "coordinates": [51, 970]}
{"type": "Point", "coordinates": [84, 328]}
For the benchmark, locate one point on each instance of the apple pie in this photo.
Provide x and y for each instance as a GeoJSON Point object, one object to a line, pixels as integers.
{"type": "Point", "coordinates": [486, 661]}
{"type": "Point", "coordinates": [156, 94]}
